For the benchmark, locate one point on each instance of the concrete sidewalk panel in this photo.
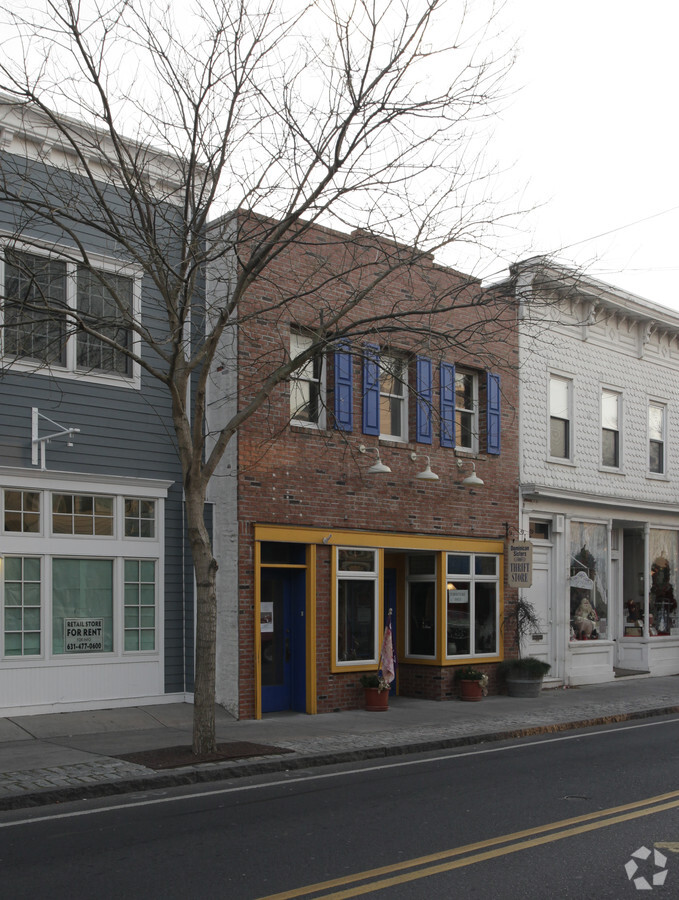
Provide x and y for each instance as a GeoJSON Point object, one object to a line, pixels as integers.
{"type": "Point", "coordinates": [63, 724]}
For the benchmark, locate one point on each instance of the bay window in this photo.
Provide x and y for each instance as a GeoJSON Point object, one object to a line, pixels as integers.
{"type": "Point", "coordinates": [472, 604]}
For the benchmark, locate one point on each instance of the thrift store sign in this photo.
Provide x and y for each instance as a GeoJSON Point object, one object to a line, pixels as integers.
{"type": "Point", "coordinates": [83, 635]}
{"type": "Point", "coordinates": [520, 564]}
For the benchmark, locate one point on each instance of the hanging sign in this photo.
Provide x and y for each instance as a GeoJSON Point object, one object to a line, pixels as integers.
{"type": "Point", "coordinates": [520, 564]}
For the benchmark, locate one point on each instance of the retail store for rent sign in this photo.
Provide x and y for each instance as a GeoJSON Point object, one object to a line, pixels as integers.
{"type": "Point", "coordinates": [83, 635]}
{"type": "Point", "coordinates": [520, 564]}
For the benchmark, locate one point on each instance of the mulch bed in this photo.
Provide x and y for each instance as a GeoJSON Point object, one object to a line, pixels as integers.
{"type": "Point", "coordinates": [175, 757]}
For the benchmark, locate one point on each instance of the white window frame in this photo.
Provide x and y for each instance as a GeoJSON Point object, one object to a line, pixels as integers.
{"type": "Point", "coordinates": [661, 405]}
{"type": "Point", "coordinates": [364, 575]}
{"type": "Point", "coordinates": [385, 360]}
{"type": "Point", "coordinates": [473, 412]}
{"type": "Point", "coordinates": [617, 394]}
{"type": "Point", "coordinates": [116, 548]}
{"type": "Point", "coordinates": [570, 431]}
{"type": "Point", "coordinates": [302, 375]}
{"type": "Point", "coordinates": [70, 370]}
{"type": "Point", "coordinates": [473, 579]}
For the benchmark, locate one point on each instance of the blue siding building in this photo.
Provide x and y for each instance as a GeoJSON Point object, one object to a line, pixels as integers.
{"type": "Point", "coordinates": [96, 601]}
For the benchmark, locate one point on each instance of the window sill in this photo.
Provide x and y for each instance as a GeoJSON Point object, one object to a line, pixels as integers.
{"type": "Point", "coordinates": [657, 476]}
{"type": "Point", "coordinates": [609, 470]}
{"type": "Point", "coordinates": [561, 462]}
{"type": "Point", "coordinates": [9, 366]}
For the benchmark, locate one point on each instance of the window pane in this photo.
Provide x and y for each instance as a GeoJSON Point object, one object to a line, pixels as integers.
{"type": "Point", "coordinates": [356, 560]}
{"type": "Point", "coordinates": [609, 448]}
{"type": "Point", "coordinates": [35, 291]}
{"type": "Point", "coordinates": [422, 564]}
{"type": "Point", "coordinates": [422, 618]}
{"type": "Point", "coordinates": [664, 561]}
{"type": "Point", "coordinates": [82, 597]}
{"type": "Point", "coordinates": [458, 624]}
{"type": "Point", "coordinates": [485, 615]}
{"type": "Point", "coordinates": [105, 303]}
{"type": "Point", "coordinates": [558, 438]}
{"type": "Point", "coordinates": [609, 410]}
{"type": "Point", "coordinates": [459, 564]}
{"type": "Point", "coordinates": [356, 619]}
{"type": "Point", "coordinates": [464, 391]}
{"type": "Point", "coordinates": [588, 581]}
{"type": "Point", "coordinates": [485, 565]}
{"type": "Point", "coordinates": [656, 422]}
{"type": "Point", "coordinates": [22, 616]}
{"type": "Point", "coordinates": [558, 398]}
{"type": "Point", "coordinates": [656, 457]}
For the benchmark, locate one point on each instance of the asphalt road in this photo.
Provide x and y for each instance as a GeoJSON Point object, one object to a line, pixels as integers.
{"type": "Point", "coordinates": [548, 817]}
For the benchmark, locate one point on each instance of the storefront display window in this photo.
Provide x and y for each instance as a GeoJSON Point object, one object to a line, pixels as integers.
{"type": "Point", "coordinates": [356, 605]}
{"type": "Point", "coordinates": [589, 581]}
{"type": "Point", "coordinates": [662, 603]}
{"type": "Point", "coordinates": [421, 609]}
{"type": "Point", "coordinates": [82, 605]}
{"type": "Point", "coordinates": [472, 604]}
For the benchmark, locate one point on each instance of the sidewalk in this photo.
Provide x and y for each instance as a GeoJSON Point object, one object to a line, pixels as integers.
{"type": "Point", "coordinates": [68, 756]}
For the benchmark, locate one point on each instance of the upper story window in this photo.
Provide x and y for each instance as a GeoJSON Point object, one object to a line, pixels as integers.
{"type": "Point", "coordinates": [560, 417]}
{"type": "Point", "coordinates": [657, 424]}
{"type": "Point", "coordinates": [393, 391]}
{"type": "Point", "coordinates": [610, 429]}
{"type": "Point", "coordinates": [39, 291]}
{"type": "Point", "coordinates": [466, 410]}
{"type": "Point", "coordinates": [82, 514]}
{"type": "Point", "coordinates": [306, 384]}
{"type": "Point", "coordinates": [22, 511]}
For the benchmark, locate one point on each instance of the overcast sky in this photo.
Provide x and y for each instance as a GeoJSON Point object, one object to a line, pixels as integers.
{"type": "Point", "coordinates": [593, 129]}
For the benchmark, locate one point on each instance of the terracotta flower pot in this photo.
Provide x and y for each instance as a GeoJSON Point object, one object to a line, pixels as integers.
{"type": "Point", "coordinates": [471, 690]}
{"type": "Point", "coordinates": [376, 700]}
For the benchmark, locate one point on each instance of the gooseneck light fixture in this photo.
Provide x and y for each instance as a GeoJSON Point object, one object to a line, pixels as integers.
{"type": "Point", "coordinates": [426, 474]}
{"type": "Point", "coordinates": [473, 479]}
{"type": "Point", "coordinates": [378, 467]}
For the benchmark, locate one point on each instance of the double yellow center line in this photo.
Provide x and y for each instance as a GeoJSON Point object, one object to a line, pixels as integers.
{"type": "Point", "coordinates": [458, 857]}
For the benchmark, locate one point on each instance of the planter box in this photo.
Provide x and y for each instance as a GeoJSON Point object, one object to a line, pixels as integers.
{"type": "Point", "coordinates": [524, 687]}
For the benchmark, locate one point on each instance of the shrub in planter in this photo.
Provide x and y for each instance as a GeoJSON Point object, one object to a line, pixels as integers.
{"type": "Point", "coordinates": [473, 683]}
{"type": "Point", "coordinates": [376, 691]}
{"type": "Point", "coordinates": [523, 676]}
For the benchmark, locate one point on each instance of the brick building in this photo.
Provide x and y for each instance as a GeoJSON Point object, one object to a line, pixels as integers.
{"type": "Point", "coordinates": [599, 475]}
{"type": "Point", "coordinates": [326, 507]}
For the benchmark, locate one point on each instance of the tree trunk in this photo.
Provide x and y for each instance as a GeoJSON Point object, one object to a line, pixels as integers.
{"type": "Point", "coordinates": [205, 566]}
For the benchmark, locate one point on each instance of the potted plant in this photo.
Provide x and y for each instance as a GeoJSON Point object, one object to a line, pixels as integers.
{"type": "Point", "coordinates": [376, 691]}
{"type": "Point", "coordinates": [523, 675]}
{"type": "Point", "coordinates": [473, 683]}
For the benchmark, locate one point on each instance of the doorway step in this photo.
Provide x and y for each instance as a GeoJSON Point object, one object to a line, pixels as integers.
{"type": "Point", "coordinates": [630, 673]}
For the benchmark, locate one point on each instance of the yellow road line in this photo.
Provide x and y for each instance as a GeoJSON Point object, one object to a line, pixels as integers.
{"type": "Point", "coordinates": [539, 835]}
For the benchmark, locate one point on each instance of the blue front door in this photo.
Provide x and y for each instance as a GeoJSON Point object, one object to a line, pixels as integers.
{"type": "Point", "coordinates": [283, 637]}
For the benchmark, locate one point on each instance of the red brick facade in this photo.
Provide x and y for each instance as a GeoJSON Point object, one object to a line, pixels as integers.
{"type": "Point", "coordinates": [300, 476]}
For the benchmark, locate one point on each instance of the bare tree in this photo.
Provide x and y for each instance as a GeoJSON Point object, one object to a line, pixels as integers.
{"type": "Point", "coordinates": [368, 117]}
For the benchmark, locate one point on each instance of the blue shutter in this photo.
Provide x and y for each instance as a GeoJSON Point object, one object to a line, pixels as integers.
{"type": "Point", "coordinates": [344, 416]}
{"type": "Point", "coordinates": [371, 390]}
{"type": "Point", "coordinates": [493, 412]}
{"type": "Point", "coordinates": [424, 396]}
{"type": "Point", "coordinates": [447, 405]}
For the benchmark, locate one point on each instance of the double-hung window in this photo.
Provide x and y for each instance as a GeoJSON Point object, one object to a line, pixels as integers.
{"type": "Point", "coordinates": [657, 425]}
{"type": "Point", "coordinates": [610, 428]}
{"type": "Point", "coordinates": [66, 317]}
{"type": "Point", "coordinates": [560, 417]}
{"type": "Point", "coordinates": [306, 384]}
{"type": "Point", "coordinates": [393, 394]}
{"type": "Point", "coordinates": [466, 410]}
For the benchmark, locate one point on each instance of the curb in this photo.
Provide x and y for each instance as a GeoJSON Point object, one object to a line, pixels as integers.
{"type": "Point", "coordinates": [212, 772]}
